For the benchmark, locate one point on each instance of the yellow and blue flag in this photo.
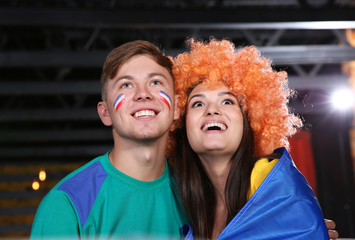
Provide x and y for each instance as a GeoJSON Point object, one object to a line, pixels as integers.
{"type": "Point", "coordinates": [283, 207]}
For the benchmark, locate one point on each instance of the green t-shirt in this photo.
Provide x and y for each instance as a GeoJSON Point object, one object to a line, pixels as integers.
{"type": "Point", "coordinates": [98, 201]}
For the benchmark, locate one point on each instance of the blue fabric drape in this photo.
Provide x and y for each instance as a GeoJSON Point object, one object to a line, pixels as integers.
{"type": "Point", "coordinates": [283, 207]}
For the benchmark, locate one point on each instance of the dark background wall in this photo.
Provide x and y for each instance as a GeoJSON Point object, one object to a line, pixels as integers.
{"type": "Point", "coordinates": [51, 53]}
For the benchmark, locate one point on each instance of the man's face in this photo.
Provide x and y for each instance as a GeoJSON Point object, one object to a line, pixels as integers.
{"type": "Point", "coordinates": [140, 102]}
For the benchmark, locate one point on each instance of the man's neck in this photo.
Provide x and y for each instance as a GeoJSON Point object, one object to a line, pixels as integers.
{"type": "Point", "coordinates": [143, 161]}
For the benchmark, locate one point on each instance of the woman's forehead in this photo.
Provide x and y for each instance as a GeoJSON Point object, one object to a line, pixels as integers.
{"type": "Point", "coordinates": [206, 88]}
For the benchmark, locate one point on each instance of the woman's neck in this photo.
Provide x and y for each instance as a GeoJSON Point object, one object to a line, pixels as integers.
{"type": "Point", "coordinates": [217, 169]}
{"type": "Point", "coordinates": [220, 218]}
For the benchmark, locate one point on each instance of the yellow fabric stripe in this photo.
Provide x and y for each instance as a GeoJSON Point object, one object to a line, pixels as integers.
{"type": "Point", "coordinates": [261, 169]}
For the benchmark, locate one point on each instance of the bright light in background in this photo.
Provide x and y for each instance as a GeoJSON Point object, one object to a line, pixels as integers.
{"type": "Point", "coordinates": [42, 175]}
{"type": "Point", "coordinates": [343, 99]}
{"type": "Point", "coordinates": [35, 185]}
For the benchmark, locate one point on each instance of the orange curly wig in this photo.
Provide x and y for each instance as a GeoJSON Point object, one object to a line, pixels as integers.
{"type": "Point", "coordinates": [263, 93]}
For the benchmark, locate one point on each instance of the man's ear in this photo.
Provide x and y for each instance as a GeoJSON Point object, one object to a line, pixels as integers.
{"type": "Point", "coordinates": [177, 109]}
{"type": "Point", "coordinates": [103, 113]}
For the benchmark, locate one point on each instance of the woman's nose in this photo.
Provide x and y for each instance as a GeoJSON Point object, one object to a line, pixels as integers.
{"type": "Point", "coordinates": [213, 110]}
{"type": "Point", "coordinates": [213, 113]}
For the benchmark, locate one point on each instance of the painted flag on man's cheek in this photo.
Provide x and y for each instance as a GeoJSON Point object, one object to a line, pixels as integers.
{"type": "Point", "coordinates": [165, 98]}
{"type": "Point", "coordinates": [119, 101]}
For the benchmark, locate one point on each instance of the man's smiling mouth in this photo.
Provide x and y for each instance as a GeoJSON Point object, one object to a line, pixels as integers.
{"type": "Point", "coordinates": [144, 113]}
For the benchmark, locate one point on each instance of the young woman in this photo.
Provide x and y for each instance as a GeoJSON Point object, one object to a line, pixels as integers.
{"type": "Point", "coordinates": [233, 115]}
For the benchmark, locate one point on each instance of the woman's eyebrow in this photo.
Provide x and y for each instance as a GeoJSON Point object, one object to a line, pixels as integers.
{"type": "Point", "coordinates": [197, 95]}
{"type": "Point", "coordinates": [226, 93]}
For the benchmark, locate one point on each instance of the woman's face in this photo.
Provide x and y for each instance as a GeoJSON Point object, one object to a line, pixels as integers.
{"type": "Point", "coordinates": [214, 121]}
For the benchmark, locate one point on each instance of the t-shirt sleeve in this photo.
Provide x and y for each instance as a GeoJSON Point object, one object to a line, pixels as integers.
{"type": "Point", "coordinates": [261, 169]}
{"type": "Point", "coordinates": [55, 217]}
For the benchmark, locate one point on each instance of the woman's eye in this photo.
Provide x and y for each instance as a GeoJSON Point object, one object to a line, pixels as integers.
{"type": "Point", "coordinates": [228, 102]}
{"type": "Point", "coordinates": [197, 104]}
{"type": "Point", "coordinates": [126, 85]}
{"type": "Point", "coordinates": [155, 82]}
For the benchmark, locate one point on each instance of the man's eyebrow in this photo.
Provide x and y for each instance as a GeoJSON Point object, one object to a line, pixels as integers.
{"type": "Point", "coordinates": [129, 77]}
{"type": "Point", "coordinates": [120, 78]}
{"type": "Point", "coordinates": [197, 95]}
{"type": "Point", "coordinates": [156, 74]}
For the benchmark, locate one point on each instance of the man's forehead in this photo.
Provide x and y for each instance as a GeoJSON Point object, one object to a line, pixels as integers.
{"type": "Point", "coordinates": [140, 62]}
{"type": "Point", "coordinates": [142, 66]}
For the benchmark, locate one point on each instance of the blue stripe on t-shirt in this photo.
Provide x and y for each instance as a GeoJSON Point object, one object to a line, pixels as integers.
{"type": "Point", "coordinates": [83, 188]}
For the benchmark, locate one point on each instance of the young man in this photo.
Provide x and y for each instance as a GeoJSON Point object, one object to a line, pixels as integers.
{"type": "Point", "coordinates": [127, 192]}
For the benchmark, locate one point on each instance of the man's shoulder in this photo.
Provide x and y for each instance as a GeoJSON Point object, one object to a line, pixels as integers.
{"type": "Point", "coordinates": [82, 186]}
{"type": "Point", "coordinates": [81, 177]}
{"type": "Point", "coordinates": [82, 182]}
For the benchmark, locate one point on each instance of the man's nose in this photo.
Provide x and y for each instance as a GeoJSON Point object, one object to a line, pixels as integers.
{"type": "Point", "coordinates": [143, 94]}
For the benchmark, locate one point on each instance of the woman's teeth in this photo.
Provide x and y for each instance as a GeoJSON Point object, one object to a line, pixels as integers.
{"type": "Point", "coordinates": [214, 126]}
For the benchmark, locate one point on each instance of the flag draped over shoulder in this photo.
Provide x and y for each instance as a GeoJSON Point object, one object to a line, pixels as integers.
{"type": "Point", "coordinates": [283, 207]}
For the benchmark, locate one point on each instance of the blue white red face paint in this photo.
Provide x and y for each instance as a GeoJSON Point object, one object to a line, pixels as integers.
{"type": "Point", "coordinates": [119, 101]}
{"type": "Point", "coordinates": [165, 98]}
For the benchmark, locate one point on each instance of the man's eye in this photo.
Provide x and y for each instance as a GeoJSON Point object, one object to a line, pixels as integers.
{"type": "Point", "coordinates": [155, 82]}
{"type": "Point", "coordinates": [197, 104]}
{"type": "Point", "coordinates": [228, 102]}
{"type": "Point", "coordinates": [126, 85]}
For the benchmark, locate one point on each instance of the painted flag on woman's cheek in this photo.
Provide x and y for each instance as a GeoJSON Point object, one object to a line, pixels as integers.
{"type": "Point", "coordinates": [283, 207]}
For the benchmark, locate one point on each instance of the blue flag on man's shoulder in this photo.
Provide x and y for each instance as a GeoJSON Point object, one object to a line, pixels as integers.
{"type": "Point", "coordinates": [283, 207]}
